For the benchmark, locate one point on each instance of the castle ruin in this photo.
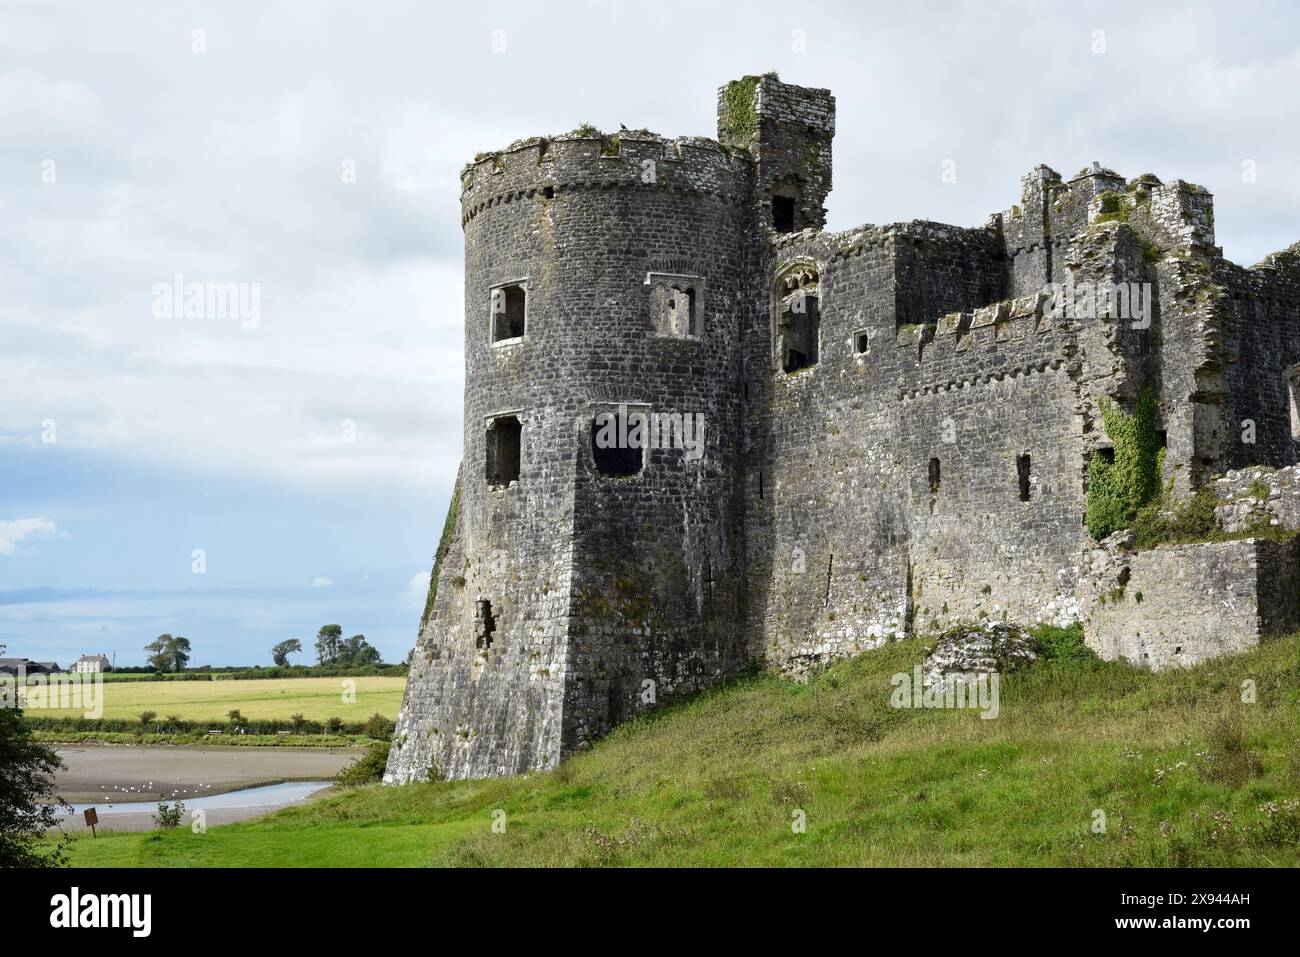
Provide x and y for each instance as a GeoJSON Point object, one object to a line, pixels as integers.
{"type": "Point", "coordinates": [859, 435]}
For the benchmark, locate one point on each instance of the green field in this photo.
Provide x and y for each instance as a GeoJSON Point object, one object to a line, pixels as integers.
{"type": "Point", "coordinates": [1182, 770]}
{"type": "Point", "coordinates": [272, 698]}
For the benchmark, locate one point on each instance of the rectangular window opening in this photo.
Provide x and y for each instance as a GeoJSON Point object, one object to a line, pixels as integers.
{"type": "Point", "coordinates": [617, 443]}
{"type": "Point", "coordinates": [504, 435]}
{"type": "Point", "coordinates": [934, 476]}
{"type": "Point", "coordinates": [783, 214]}
{"type": "Point", "coordinates": [800, 329]}
{"type": "Point", "coordinates": [509, 306]}
{"type": "Point", "coordinates": [676, 305]}
{"type": "Point", "coordinates": [1293, 393]}
{"type": "Point", "coordinates": [1022, 474]}
{"type": "Point", "coordinates": [485, 625]}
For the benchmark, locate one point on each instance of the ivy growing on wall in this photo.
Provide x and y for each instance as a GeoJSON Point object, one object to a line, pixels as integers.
{"type": "Point", "coordinates": [1117, 489]}
{"type": "Point", "coordinates": [444, 544]}
{"type": "Point", "coordinates": [742, 117]}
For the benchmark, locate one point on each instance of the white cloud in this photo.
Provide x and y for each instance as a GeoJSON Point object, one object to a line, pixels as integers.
{"type": "Point", "coordinates": [417, 589]}
{"type": "Point", "coordinates": [320, 581]}
{"type": "Point", "coordinates": [230, 171]}
{"type": "Point", "coordinates": [13, 531]}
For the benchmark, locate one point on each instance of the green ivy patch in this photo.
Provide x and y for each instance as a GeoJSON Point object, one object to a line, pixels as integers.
{"type": "Point", "coordinates": [1118, 489]}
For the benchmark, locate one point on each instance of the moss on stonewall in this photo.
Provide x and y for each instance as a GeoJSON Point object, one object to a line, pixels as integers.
{"type": "Point", "coordinates": [444, 545]}
{"type": "Point", "coordinates": [1114, 208]}
{"type": "Point", "coordinates": [742, 114]}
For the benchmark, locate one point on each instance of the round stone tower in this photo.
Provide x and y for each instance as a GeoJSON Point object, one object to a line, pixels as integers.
{"type": "Point", "coordinates": [594, 567]}
{"type": "Point", "coordinates": [593, 563]}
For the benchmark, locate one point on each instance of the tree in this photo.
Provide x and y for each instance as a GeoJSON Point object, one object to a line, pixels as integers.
{"type": "Point", "coordinates": [180, 653]}
{"type": "Point", "coordinates": [356, 651]}
{"type": "Point", "coordinates": [159, 652]}
{"type": "Point", "coordinates": [327, 643]}
{"type": "Point", "coordinates": [146, 717]}
{"type": "Point", "coordinates": [28, 805]}
{"type": "Point", "coordinates": [281, 652]}
{"type": "Point", "coordinates": [168, 653]}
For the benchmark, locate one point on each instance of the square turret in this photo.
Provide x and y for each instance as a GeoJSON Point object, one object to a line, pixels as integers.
{"type": "Point", "coordinates": [788, 130]}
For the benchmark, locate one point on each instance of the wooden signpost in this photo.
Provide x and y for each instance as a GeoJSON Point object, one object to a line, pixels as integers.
{"type": "Point", "coordinates": [92, 818]}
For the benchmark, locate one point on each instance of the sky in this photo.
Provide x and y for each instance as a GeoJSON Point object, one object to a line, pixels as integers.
{"type": "Point", "coordinates": [246, 479]}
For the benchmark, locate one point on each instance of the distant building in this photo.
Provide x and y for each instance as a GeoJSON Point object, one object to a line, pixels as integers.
{"type": "Point", "coordinates": [91, 664]}
{"type": "Point", "coordinates": [11, 666]}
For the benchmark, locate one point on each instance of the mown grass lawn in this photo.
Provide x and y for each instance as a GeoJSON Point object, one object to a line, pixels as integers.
{"type": "Point", "coordinates": [316, 699]}
{"type": "Point", "coordinates": [1181, 769]}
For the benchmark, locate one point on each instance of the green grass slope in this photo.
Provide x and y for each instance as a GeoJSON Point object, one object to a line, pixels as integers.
{"type": "Point", "coordinates": [1184, 772]}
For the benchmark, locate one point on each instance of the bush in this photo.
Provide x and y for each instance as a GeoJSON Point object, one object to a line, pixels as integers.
{"type": "Point", "coordinates": [146, 717]}
{"type": "Point", "coordinates": [1062, 644]}
{"type": "Point", "coordinates": [169, 816]}
{"type": "Point", "coordinates": [1191, 520]}
{"type": "Point", "coordinates": [379, 727]}
{"type": "Point", "coordinates": [368, 769]}
{"type": "Point", "coordinates": [179, 727]}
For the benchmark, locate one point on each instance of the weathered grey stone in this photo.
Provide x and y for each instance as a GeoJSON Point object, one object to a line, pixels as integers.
{"type": "Point", "coordinates": [978, 650]}
{"type": "Point", "coordinates": [898, 426]}
{"type": "Point", "coordinates": [1179, 605]}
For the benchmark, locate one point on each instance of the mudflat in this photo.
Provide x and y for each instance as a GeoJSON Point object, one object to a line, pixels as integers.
{"type": "Point", "coordinates": [147, 773]}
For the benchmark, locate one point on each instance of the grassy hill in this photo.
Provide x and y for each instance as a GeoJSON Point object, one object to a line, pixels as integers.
{"type": "Point", "coordinates": [1184, 772]}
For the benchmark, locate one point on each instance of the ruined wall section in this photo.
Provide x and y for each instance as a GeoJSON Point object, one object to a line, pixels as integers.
{"type": "Point", "coordinates": [859, 549]}
{"type": "Point", "coordinates": [1179, 605]}
{"type": "Point", "coordinates": [940, 269]}
{"type": "Point", "coordinates": [1258, 497]}
{"type": "Point", "coordinates": [989, 442]}
{"type": "Point", "coordinates": [1260, 310]}
{"type": "Point", "coordinates": [1039, 230]}
{"type": "Point", "coordinates": [825, 526]}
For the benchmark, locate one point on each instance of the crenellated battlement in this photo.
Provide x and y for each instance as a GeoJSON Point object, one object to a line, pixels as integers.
{"type": "Point", "coordinates": [542, 166]}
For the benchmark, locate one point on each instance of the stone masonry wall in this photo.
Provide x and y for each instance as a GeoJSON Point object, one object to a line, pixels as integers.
{"type": "Point", "coordinates": [928, 468]}
{"type": "Point", "coordinates": [1183, 604]}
